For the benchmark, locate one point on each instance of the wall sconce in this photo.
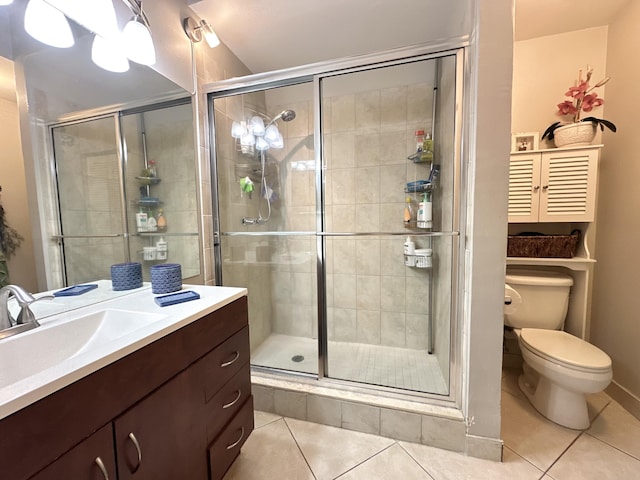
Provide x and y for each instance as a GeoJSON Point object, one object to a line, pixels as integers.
{"type": "Point", "coordinates": [195, 31]}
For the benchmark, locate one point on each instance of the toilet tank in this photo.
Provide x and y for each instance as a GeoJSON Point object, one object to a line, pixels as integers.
{"type": "Point", "coordinates": [537, 299]}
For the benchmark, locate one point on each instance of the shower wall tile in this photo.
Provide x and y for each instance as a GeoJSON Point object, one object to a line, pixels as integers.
{"type": "Point", "coordinates": [392, 257]}
{"type": "Point", "coordinates": [342, 113]}
{"type": "Point", "coordinates": [342, 150]}
{"type": "Point", "coordinates": [392, 295]}
{"type": "Point", "coordinates": [368, 330]}
{"type": "Point", "coordinates": [393, 106]}
{"type": "Point", "coordinates": [367, 148]}
{"type": "Point", "coordinates": [417, 295]}
{"type": "Point", "coordinates": [368, 292]}
{"type": "Point", "coordinates": [367, 185]}
{"type": "Point", "coordinates": [323, 410]}
{"type": "Point", "coordinates": [303, 321]}
{"type": "Point", "coordinates": [393, 178]}
{"type": "Point", "coordinates": [345, 325]}
{"type": "Point", "coordinates": [343, 255]}
{"type": "Point", "coordinates": [344, 291]}
{"type": "Point", "coordinates": [367, 217]}
{"type": "Point", "coordinates": [367, 107]}
{"type": "Point", "coordinates": [367, 256]}
{"type": "Point", "coordinates": [392, 217]}
{"type": "Point", "coordinates": [419, 105]}
{"type": "Point", "coordinates": [360, 417]}
{"type": "Point", "coordinates": [393, 329]}
{"type": "Point", "coordinates": [417, 330]}
{"type": "Point", "coordinates": [343, 186]}
{"type": "Point", "coordinates": [344, 218]}
{"type": "Point", "coordinates": [400, 425]}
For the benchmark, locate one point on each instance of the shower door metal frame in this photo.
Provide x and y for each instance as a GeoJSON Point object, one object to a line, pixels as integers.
{"type": "Point", "coordinates": [314, 73]}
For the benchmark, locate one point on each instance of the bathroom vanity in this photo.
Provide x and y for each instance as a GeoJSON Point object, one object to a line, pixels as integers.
{"type": "Point", "coordinates": [169, 400]}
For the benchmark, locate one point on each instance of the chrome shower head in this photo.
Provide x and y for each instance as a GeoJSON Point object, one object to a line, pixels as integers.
{"type": "Point", "coordinates": [285, 115]}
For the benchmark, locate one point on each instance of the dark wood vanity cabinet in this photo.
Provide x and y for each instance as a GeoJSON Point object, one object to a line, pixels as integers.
{"type": "Point", "coordinates": [179, 408]}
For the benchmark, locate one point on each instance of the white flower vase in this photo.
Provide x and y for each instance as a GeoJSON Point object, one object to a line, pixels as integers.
{"type": "Point", "coordinates": [574, 134]}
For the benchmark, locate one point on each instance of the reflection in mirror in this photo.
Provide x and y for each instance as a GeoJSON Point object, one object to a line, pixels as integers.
{"type": "Point", "coordinates": [47, 85]}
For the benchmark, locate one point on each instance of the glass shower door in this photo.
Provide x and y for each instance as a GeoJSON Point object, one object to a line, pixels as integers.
{"type": "Point", "coordinates": [90, 198]}
{"type": "Point", "coordinates": [388, 314]}
{"type": "Point", "coordinates": [266, 201]}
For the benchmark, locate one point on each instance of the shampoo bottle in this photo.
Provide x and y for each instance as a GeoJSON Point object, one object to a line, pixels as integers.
{"type": "Point", "coordinates": [408, 212]}
{"type": "Point", "coordinates": [161, 249]}
{"type": "Point", "coordinates": [425, 212]}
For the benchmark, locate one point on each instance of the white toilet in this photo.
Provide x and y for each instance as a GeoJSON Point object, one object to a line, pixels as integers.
{"type": "Point", "coordinates": [559, 368]}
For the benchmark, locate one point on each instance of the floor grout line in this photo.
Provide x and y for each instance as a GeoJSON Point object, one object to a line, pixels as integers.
{"type": "Point", "coordinates": [299, 449]}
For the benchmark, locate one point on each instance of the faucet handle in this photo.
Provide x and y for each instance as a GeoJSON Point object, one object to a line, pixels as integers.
{"type": "Point", "coordinates": [26, 315]}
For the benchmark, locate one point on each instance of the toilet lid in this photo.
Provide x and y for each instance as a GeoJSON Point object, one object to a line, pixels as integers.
{"type": "Point", "coordinates": [561, 347]}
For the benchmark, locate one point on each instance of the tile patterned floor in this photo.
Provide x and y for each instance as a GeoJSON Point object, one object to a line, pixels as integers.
{"type": "Point", "coordinates": [374, 364]}
{"type": "Point", "coordinates": [287, 449]}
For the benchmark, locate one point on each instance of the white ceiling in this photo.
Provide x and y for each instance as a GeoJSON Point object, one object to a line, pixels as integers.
{"type": "Point", "coordinates": [283, 33]}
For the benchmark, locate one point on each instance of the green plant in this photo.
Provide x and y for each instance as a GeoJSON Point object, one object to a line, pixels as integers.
{"type": "Point", "coordinates": [582, 98]}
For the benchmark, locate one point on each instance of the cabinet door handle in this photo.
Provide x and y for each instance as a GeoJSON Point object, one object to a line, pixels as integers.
{"type": "Point", "coordinates": [545, 187]}
{"type": "Point", "coordinates": [102, 468]}
{"type": "Point", "coordinates": [233, 360]}
{"type": "Point", "coordinates": [235, 400]}
{"type": "Point", "coordinates": [134, 440]}
{"type": "Point", "coordinates": [229, 447]}
{"type": "Point", "coordinates": [536, 188]}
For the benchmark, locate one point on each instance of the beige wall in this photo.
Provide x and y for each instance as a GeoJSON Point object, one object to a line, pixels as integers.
{"type": "Point", "coordinates": [14, 195]}
{"type": "Point", "coordinates": [615, 323]}
{"type": "Point", "coordinates": [544, 68]}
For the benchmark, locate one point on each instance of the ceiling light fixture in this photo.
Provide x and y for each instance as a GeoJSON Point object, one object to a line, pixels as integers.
{"type": "Point", "coordinates": [136, 36]}
{"type": "Point", "coordinates": [47, 24]}
{"type": "Point", "coordinates": [5, 2]}
{"type": "Point", "coordinates": [97, 16]}
{"type": "Point", "coordinates": [196, 31]}
{"type": "Point", "coordinates": [108, 55]}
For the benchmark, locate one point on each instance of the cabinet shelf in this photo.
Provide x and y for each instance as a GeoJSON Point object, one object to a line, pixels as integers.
{"type": "Point", "coordinates": [575, 263]}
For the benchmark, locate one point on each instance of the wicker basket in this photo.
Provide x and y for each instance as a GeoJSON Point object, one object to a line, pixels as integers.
{"type": "Point", "coordinates": [538, 245]}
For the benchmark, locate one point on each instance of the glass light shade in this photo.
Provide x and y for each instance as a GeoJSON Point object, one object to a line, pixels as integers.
{"type": "Point", "coordinates": [271, 133]}
{"type": "Point", "coordinates": [108, 55]}
{"type": "Point", "coordinates": [209, 34]}
{"type": "Point", "coordinates": [248, 139]}
{"type": "Point", "coordinates": [257, 126]}
{"type": "Point", "coordinates": [98, 16]}
{"type": "Point", "coordinates": [262, 144]}
{"type": "Point", "coordinates": [136, 39]}
{"type": "Point", "coordinates": [238, 129]}
{"type": "Point", "coordinates": [5, 2]}
{"type": "Point", "coordinates": [278, 142]}
{"type": "Point", "coordinates": [47, 24]}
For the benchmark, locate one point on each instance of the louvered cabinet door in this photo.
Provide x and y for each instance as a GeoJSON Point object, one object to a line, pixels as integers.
{"type": "Point", "coordinates": [524, 188]}
{"type": "Point", "coordinates": [568, 186]}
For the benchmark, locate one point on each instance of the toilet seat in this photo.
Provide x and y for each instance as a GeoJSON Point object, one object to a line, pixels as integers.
{"type": "Point", "coordinates": [567, 350]}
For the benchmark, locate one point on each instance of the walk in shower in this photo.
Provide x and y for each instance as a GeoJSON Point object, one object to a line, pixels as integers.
{"type": "Point", "coordinates": [114, 170]}
{"type": "Point", "coordinates": [312, 221]}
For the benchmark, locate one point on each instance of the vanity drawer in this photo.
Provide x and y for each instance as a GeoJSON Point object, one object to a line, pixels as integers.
{"type": "Point", "coordinates": [226, 447]}
{"type": "Point", "coordinates": [224, 362]}
{"type": "Point", "coordinates": [226, 403]}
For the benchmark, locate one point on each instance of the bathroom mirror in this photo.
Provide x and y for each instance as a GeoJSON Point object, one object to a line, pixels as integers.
{"type": "Point", "coordinates": [58, 83]}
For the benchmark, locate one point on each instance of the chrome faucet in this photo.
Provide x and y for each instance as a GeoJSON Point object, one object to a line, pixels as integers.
{"type": "Point", "coordinates": [25, 317]}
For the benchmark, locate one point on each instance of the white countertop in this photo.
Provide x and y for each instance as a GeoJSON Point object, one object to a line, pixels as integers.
{"type": "Point", "coordinates": [31, 388]}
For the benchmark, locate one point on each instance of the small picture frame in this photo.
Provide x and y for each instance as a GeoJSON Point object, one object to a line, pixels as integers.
{"type": "Point", "coordinates": [524, 142]}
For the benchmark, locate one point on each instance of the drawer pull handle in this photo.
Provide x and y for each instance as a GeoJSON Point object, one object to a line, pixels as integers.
{"type": "Point", "coordinates": [233, 360]}
{"type": "Point", "coordinates": [102, 468]}
{"type": "Point", "coordinates": [134, 440]}
{"type": "Point", "coordinates": [235, 400]}
{"type": "Point", "coordinates": [229, 447]}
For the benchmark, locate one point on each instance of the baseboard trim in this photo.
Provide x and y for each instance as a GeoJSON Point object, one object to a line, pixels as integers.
{"type": "Point", "coordinates": [625, 398]}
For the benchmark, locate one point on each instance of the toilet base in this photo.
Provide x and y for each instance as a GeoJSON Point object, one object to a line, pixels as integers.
{"type": "Point", "coordinates": [562, 406]}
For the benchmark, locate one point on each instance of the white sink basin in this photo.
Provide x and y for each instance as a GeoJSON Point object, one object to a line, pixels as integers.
{"type": "Point", "coordinates": [31, 352]}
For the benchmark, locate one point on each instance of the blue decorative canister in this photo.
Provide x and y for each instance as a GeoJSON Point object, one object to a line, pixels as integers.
{"type": "Point", "coordinates": [166, 278]}
{"type": "Point", "coordinates": [126, 276]}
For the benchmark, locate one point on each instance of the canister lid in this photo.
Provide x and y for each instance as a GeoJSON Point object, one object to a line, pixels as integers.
{"type": "Point", "coordinates": [538, 278]}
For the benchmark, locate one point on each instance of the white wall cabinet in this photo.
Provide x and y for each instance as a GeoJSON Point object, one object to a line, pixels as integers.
{"type": "Point", "coordinates": [553, 185]}
{"type": "Point", "coordinates": [553, 192]}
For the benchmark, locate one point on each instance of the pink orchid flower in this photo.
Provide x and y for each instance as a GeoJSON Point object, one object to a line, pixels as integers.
{"type": "Point", "coordinates": [567, 108]}
{"type": "Point", "coordinates": [590, 101]}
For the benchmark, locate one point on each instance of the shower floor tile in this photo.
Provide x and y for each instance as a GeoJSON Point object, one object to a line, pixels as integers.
{"type": "Point", "coordinates": [373, 364]}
